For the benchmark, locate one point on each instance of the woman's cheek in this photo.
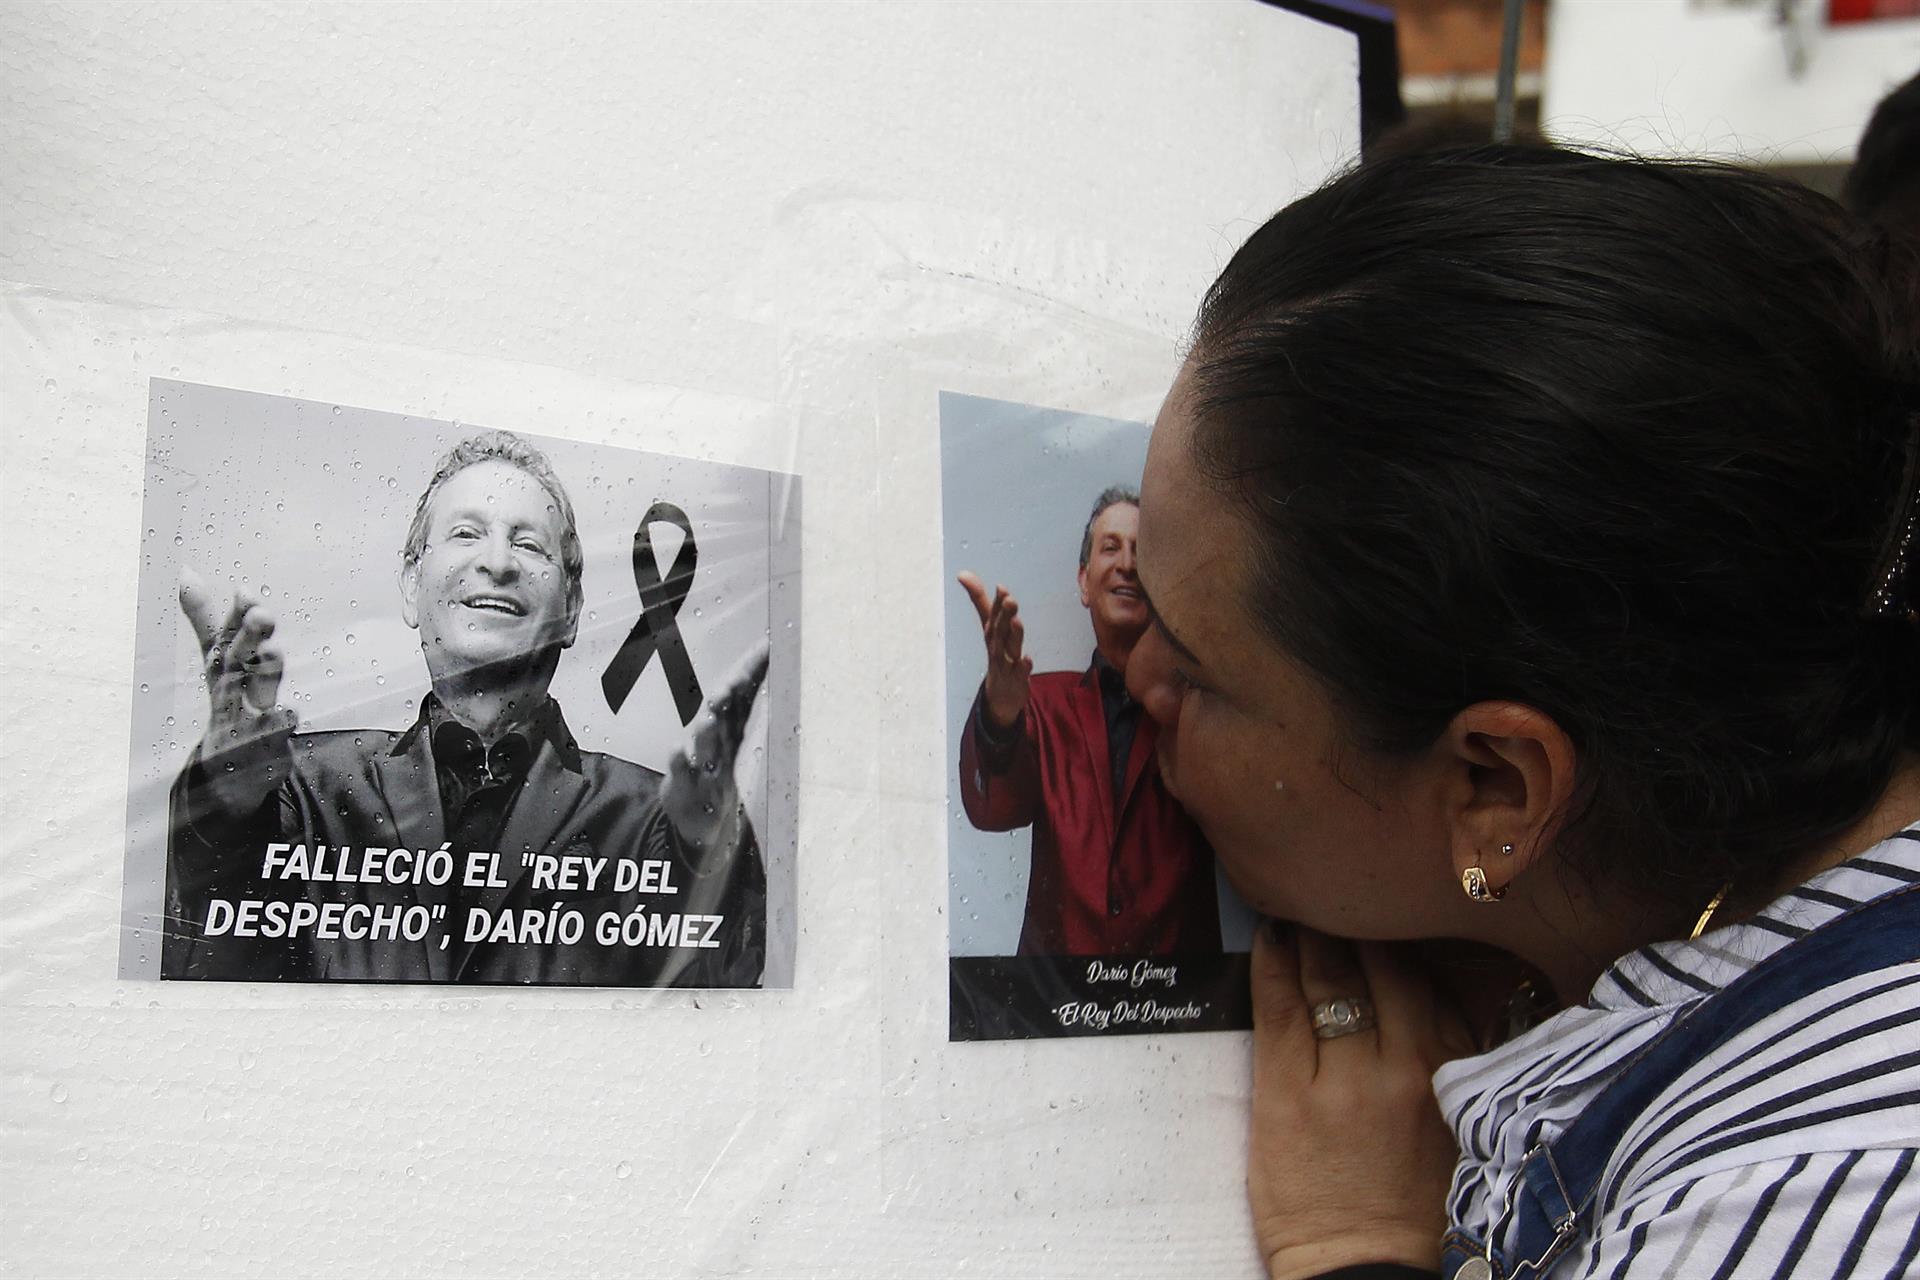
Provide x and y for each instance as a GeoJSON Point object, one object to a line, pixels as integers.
{"type": "Point", "coordinates": [1188, 764]}
{"type": "Point", "coordinates": [1168, 753]}
{"type": "Point", "coordinates": [1230, 781]}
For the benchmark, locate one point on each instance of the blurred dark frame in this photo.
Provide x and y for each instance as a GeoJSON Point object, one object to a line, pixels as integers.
{"type": "Point", "coordinates": [1373, 25]}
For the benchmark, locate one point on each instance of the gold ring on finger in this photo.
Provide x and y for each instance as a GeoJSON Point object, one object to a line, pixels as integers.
{"type": "Point", "coordinates": [1342, 1017]}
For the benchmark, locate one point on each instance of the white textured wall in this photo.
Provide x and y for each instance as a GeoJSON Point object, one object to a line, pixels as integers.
{"type": "Point", "coordinates": [1674, 77]}
{"type": "Point", "coordinates": [763, 234]}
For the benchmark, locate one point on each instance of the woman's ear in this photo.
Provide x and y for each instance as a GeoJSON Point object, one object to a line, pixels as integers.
{"type": "Point", "coordinates": [1515, 777]}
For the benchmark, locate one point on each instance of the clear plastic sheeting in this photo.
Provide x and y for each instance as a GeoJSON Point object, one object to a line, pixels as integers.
{"type": "Point", "coordinates": [705, 247]}
{"type": "Point", "coordinates": [305, 513]}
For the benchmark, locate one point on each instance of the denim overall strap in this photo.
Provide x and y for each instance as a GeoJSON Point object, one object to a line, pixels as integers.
{"type": "Point", "coordinates": [1557, 1180]}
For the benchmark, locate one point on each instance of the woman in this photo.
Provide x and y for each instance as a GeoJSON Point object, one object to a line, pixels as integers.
{"type": "Point", "coordinates": [1529, 541]}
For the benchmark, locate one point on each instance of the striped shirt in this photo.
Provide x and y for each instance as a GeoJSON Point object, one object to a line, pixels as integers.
{"type": "Point", "coordinates": [1788, 1151]}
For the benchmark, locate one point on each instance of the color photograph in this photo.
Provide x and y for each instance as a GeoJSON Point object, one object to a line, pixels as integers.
{"type": "Point", "coordinates": [1083, 899]}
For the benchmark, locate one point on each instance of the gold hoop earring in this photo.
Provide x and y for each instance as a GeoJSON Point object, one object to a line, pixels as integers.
{"type": "Point", "coordinates": [1474, 881]}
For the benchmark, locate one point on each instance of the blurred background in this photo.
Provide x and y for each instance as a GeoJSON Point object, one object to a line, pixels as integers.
{"type": "Point", "coordinates": [1786, 85]}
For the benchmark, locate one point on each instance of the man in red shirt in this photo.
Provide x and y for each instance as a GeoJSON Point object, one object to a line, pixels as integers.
{"type": "Point", "coordinates": [1117, 867]}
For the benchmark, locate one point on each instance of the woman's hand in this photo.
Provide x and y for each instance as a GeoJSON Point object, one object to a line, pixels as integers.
{"type": "Point", "coordinates": [1350, 1160]}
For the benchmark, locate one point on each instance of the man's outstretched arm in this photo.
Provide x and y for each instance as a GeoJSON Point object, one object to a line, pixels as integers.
{"type": "Point", "coordinates": [1009, 679]}
{"type": "Point", "coordinates": [222, 807]}
{"type": "Point", "coordinates": [999, 762]}
{"type": "Point", "coordinates": [712, 836]}
{"type": "Point", "coordinates": [246, 751]}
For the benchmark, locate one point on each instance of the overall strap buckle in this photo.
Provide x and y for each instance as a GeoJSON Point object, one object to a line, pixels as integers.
{"type": "Point", "coordinates": [1545, 1222]}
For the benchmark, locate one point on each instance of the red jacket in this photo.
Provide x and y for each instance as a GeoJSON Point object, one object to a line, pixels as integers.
{"type": "Point", "coordinates": [1139, 885]}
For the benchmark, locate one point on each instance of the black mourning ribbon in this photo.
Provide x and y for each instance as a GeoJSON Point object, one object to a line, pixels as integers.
{"type": "Point", "coordinates": [657, 631]}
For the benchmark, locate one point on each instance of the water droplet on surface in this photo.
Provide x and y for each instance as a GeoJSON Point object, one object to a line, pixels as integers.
{"type": "Point", "coordinates": [623, 1170]}
{"type": "Point", "coordinates": [58, 1093]}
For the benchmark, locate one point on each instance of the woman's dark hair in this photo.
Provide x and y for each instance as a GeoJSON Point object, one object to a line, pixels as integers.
{"type": "Point", "coordinates": [1622, 440]}
{"type": "Point", "coordinates": [1884, 182]}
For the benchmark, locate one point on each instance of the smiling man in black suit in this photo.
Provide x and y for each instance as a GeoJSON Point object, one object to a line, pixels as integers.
{"type": "Point", "coordinates": [480, 844]}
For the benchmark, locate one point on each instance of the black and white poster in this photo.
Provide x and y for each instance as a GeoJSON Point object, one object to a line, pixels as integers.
{"type": "Point", "coordinates": [1082, 899]}
{"type": "Point", "coordinates": [424, 701]}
